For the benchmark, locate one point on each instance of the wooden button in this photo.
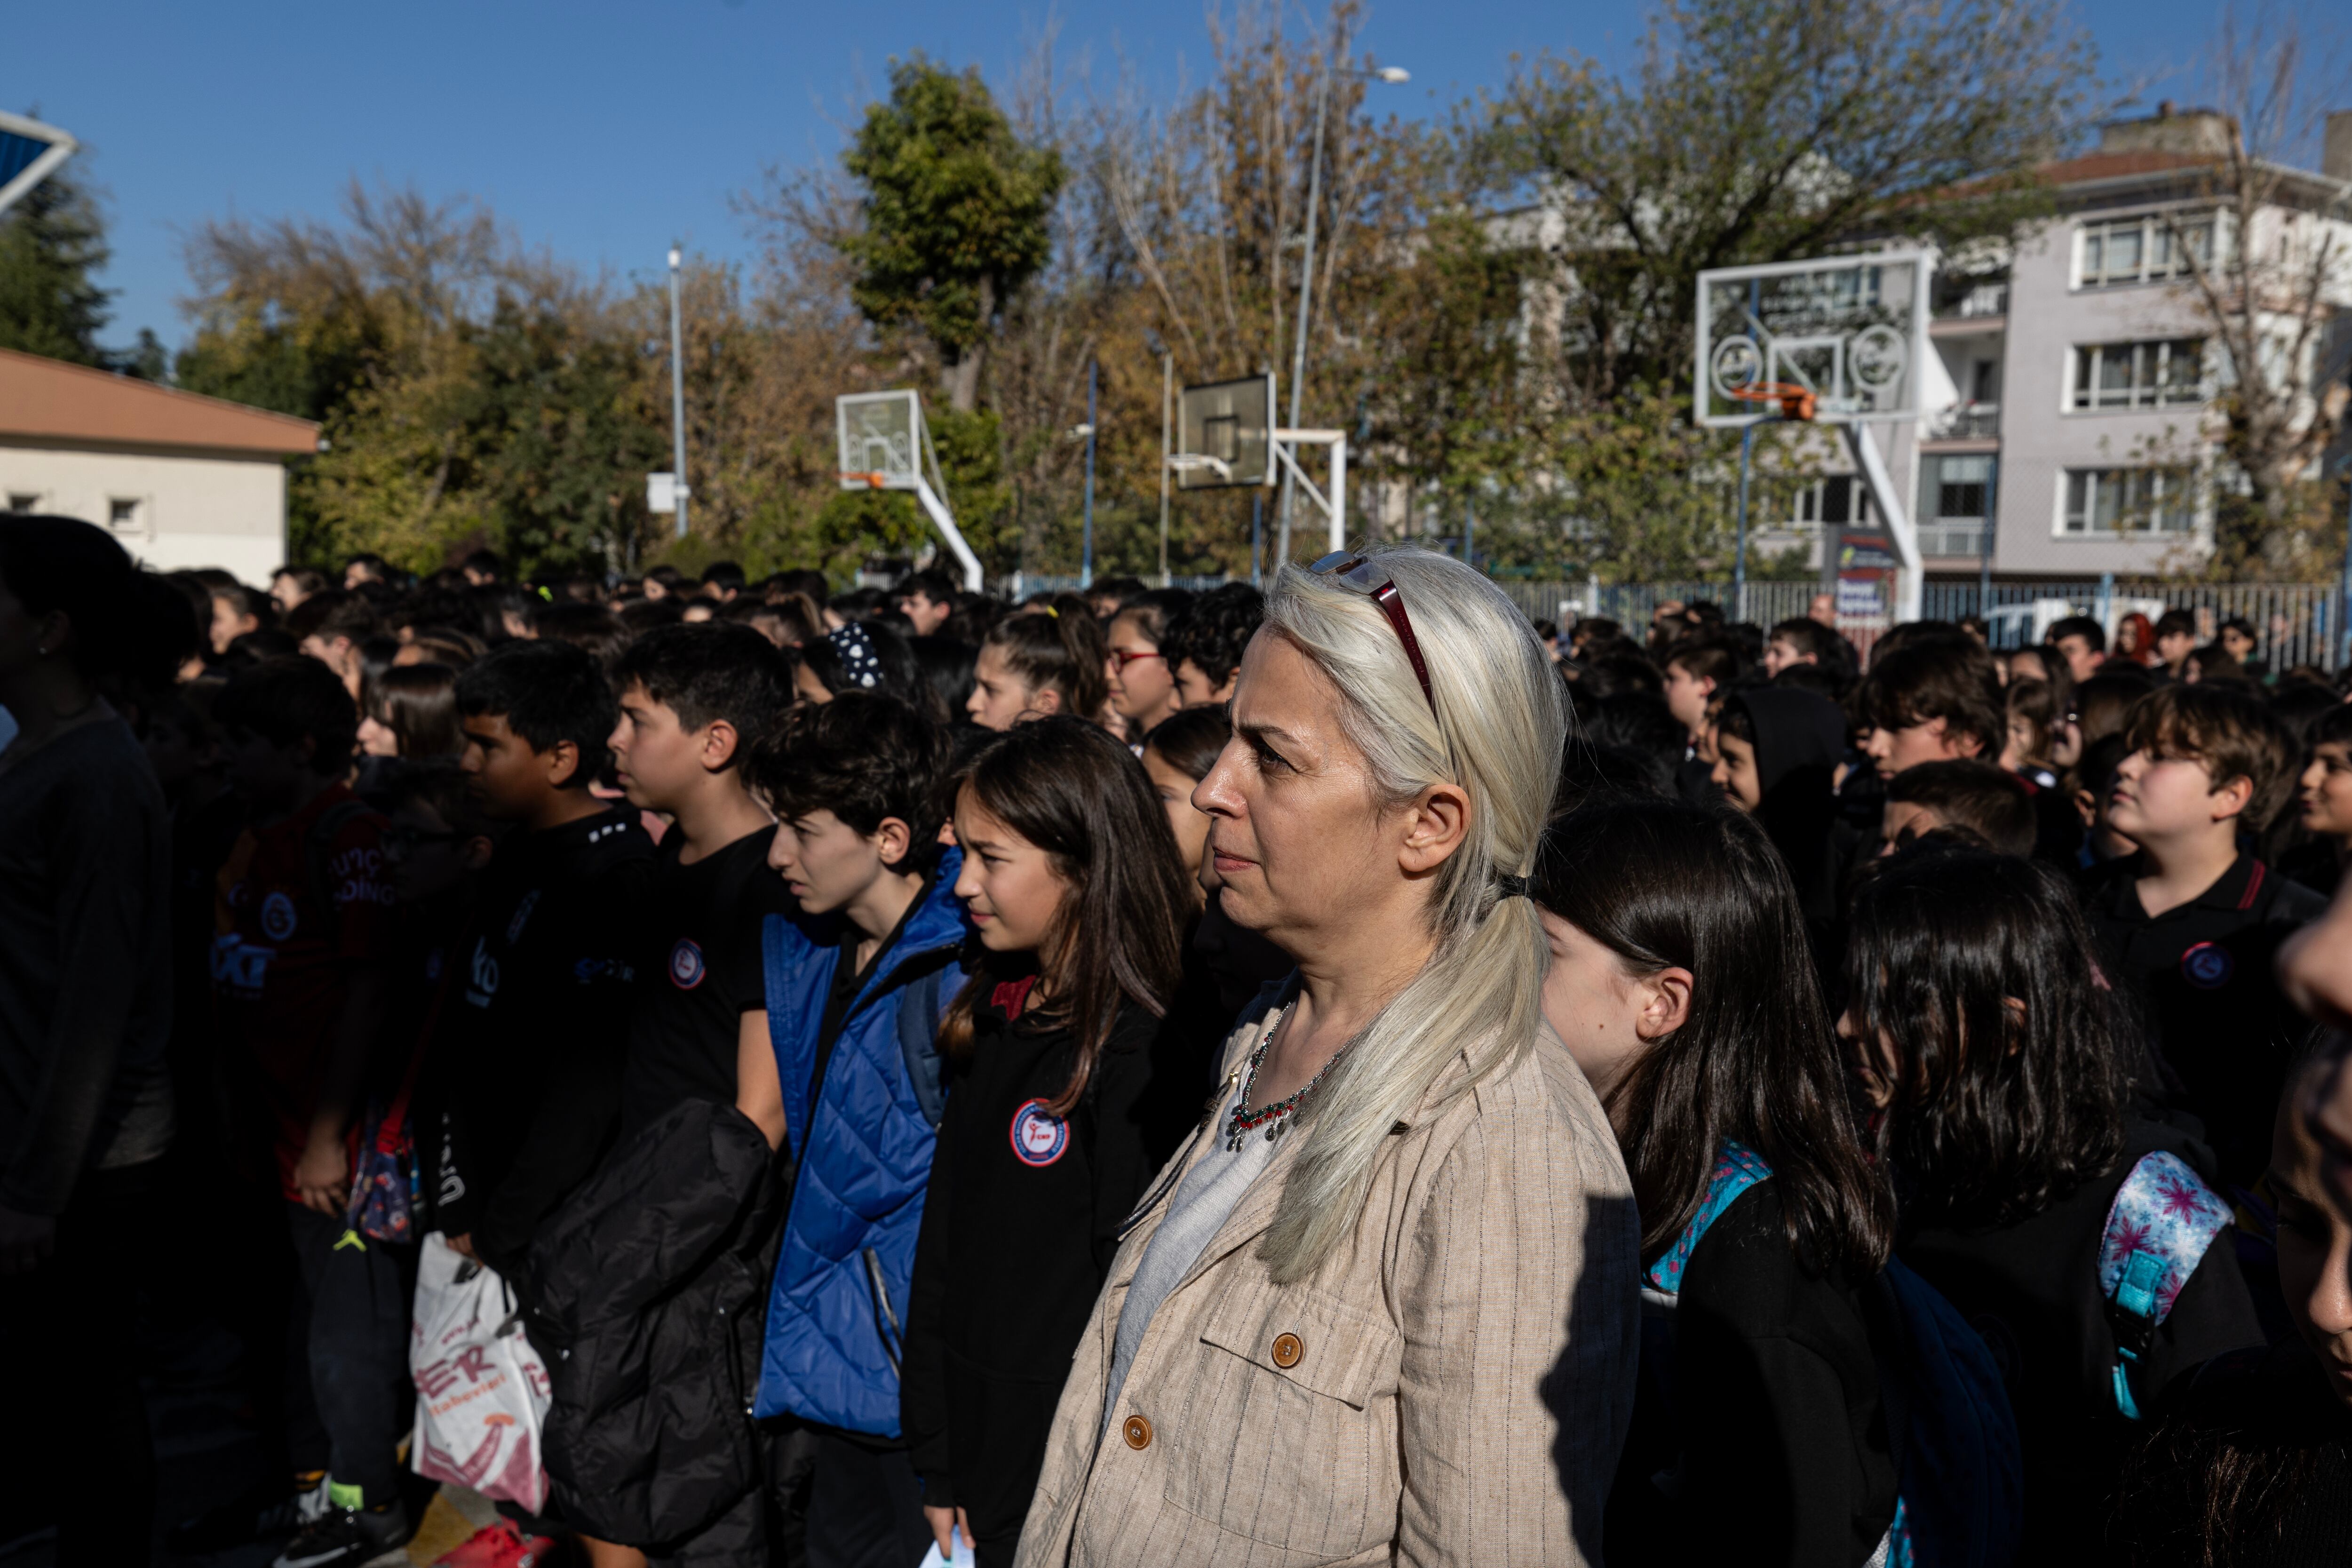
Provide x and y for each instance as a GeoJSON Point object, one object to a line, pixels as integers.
{"type": "Point", "coordinates": [1138, 1432]}
{"type": "Point", "coordinates": [1286, 1350]}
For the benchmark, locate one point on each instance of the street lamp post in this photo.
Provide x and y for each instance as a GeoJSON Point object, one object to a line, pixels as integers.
{"type": "Point", "coordinates": [1167, 408]}
{"type": "Point", "coordinates": [1087, 558]}
{"type": "Point", "coordinates": [1392, 75]}
{"type": "Point", "coordinates": [676, 393]}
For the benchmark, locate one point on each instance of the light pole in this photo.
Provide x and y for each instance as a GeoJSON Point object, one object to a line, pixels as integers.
{"type": "Point", "coordinates": [1392, 75]}
{"type": "Point", "coordinates": [676, 393]}
{"type": "Point", "coordinates": [1167, 406]}
{"type": "Point", "coordinates": [1087, 559]}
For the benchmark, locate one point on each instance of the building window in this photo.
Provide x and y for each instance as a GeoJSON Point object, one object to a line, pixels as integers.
{"type": "Point", "coordinates": [2166, 373]}
{"type": "Point", "coordinates": [1955, 496]}
{"type": "Point", "coordinates": [22, 504]}
{"type": "Point", "coordinates": [2129, 500]}
{"type": "Point", "coordinates": [124, 516]}
{"type": "Point", "coordinates": [2142, 250]}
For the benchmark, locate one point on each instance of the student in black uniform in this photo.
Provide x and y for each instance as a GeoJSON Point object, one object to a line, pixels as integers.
{"type": "Point", "coordinates": [2192, 924]}
{"type": "Point", "coordinates": [521, 1092]}
{"type": "Point", "coordinates": [694, 700]}
{"type": "Point", "coordinates": [1679, 982]}
{"type": "Point", "coordinates": [1993, 1051]}
{"type": "Point", "coordinates": [1057, 1117]}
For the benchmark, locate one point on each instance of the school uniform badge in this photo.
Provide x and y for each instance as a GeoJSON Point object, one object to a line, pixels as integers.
{"type": "Point", "coordinates": [277, 917]}
{"type": "Point", "coordinates": [1038, 1137]}
{"type": "Point", "coordinates": [2208, 966]}
{"type": "Point", "coordinates": [686, 965]}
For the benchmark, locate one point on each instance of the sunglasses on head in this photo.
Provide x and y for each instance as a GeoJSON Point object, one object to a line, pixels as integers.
{"type": "Point", "coordinates": [1363, 576]}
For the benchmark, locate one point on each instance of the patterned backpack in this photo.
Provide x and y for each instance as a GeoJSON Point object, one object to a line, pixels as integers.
{"type": "Point", "coordinates": [2157, 1229]}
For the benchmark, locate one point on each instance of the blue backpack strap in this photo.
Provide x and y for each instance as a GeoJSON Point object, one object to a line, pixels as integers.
{"type": "Point", "coordinates": [922, 1004]}
{"type": "Point", "coordinates": [1736, 1168]}
{"type": "Point", "coordinates": [2159, 1228]}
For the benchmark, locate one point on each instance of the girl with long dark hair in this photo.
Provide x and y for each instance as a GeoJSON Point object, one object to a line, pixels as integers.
{"type": "Point", "coordinates": [1065, 1101]}
{"type": "Point", "coordinates": [1997, 1056]}
{"type": "Point", "coordinates": [1680, 982]}
{"type": "Point", "coordinates": [1040, 661]}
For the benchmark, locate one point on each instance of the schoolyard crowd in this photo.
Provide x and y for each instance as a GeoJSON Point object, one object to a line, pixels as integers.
{"type": "Point", "coordinates": [1338, 1075]}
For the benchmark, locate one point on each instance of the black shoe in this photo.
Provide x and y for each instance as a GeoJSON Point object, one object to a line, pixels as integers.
{"type": "Point", "coordinates": [348, 1535]}
{"type": "Point", "coordinates": [257, 1514]}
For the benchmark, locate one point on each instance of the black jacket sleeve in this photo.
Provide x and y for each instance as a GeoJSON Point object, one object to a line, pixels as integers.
{"type": "Point", "coordinates": [1123, 1100]}
{"type": "Point", "coordinates": [922, 1379]}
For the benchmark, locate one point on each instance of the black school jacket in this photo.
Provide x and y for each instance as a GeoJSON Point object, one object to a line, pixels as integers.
{"type": "Point", "coordinates": [1020, 1225]}
{"type": "Point", "coordinates": [520, 1091]}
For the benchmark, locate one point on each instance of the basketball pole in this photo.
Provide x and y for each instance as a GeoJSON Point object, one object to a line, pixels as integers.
{"type": "Point", "coordinates": [1739, 530]}
{"type": "Point", "coordinates": [1167, 393]}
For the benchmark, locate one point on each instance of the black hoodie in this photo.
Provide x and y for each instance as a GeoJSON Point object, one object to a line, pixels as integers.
{"type": "Point", "coordinates": [1800, 741]}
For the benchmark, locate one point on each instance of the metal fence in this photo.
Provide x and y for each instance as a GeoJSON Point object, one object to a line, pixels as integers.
{"type": "Point", "coordinates": [2293, 623]}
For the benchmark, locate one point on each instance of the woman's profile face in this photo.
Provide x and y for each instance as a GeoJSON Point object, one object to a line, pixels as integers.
{"type": "Point", "coordinates": [1299, 838]}
{"type": "Point", "coordinates": [2315, 1248]}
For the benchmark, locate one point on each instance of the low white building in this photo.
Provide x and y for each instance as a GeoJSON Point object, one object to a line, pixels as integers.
{"type": "Point", "coordinates": [182, 480]}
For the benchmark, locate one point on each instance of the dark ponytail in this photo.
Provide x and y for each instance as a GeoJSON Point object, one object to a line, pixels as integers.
{"type": "Point", "coordinates": [1058, 649]}
{"type": "Point", "coordinates": [127, 626]}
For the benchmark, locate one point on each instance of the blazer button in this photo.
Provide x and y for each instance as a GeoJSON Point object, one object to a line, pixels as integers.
{"type": "Point", "coordinates": [1286, 1350]}
{"type": "Point", "coordinates": [1138, 1432]}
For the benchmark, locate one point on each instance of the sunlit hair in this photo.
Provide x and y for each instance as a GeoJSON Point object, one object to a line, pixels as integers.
{"type": "Point", "coordinates": [1500, 723]}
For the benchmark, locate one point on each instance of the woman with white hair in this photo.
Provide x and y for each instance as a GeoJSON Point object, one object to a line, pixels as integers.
{"type": "Point", "coordinates": [1383, 1308]}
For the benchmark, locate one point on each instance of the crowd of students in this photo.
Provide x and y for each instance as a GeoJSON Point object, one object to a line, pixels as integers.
{"type": "Point", "coordinates": [797, 998]}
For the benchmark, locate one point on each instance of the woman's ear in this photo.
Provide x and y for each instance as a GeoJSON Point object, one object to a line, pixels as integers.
{"type": "Point", "coordinates": [1043, 700]}
{"type": "Point", "coordinates": [1435, 826]}
{"type": "Point", "coordinates": [1665, 1004]}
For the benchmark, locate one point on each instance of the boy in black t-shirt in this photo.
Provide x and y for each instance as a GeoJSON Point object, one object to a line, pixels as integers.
{"type": "Point", "coordinates": [694, 700]}
{"type": "Point", "coordinates": [2194, 922]}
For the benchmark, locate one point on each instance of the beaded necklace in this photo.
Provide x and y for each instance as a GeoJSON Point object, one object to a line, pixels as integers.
{"type": "Point", "coordinates": [1276, 1117]}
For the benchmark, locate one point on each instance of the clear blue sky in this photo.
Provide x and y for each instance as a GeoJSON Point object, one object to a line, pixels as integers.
{"type": "Point", "coordinates": [600, 128]}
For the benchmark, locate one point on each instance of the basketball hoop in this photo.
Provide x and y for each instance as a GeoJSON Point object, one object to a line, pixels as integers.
{"type": "Point", "coordinates": [871, 482]}
{"type": "Point", "coordinates": [1795, 401]}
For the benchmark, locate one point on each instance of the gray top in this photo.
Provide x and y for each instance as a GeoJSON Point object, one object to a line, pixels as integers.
{"type": "Point", "coordinates": [1202, 1202]}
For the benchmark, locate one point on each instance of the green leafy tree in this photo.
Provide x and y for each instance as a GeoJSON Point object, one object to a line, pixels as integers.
{"type": "Point", "coordinates": [954, 208]}
{"type": "Point", "coordinates": [52, 241]}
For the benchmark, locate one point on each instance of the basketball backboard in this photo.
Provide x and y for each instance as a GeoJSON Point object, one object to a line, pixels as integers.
{"type": "Point", "coordinates": [1222, 434]}
{"type": "Point", "coordinates": [28, 151]}
{"type": "Point", "coordinates": [881, 439]}
{"type": "Point", "coordinates": [1850, 329]}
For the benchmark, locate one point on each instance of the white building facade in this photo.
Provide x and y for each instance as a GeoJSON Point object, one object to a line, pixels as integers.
{"type": "Point", "coordinates": [182, 480]}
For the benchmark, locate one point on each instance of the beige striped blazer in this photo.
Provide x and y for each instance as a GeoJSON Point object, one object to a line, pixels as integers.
{"type": "Point", "coordinates": [1452, 1386]}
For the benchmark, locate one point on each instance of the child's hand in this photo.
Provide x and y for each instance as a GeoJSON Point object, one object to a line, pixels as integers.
{"type": "Point", "coordinates": [941, 1521]}
{"type": "Point", "coordinates": [322, 1176]}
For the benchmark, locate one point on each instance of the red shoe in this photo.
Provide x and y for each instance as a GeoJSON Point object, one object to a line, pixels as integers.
{"type": "Point", "coordinates": [500, 1545]}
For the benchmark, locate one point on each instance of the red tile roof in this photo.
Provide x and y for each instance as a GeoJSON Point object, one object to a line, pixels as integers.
{"type": "Point", "coordinates": [48, 400]}
{"type": "Point", "coordinates": [2116, 166]}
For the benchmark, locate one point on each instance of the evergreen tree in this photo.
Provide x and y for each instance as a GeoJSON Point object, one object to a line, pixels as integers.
{"type": "Point", "coordinates": [51, 242]}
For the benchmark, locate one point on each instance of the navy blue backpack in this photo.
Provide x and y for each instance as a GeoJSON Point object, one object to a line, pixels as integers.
{"type": "Point", "coordinates": [1960, 1486]}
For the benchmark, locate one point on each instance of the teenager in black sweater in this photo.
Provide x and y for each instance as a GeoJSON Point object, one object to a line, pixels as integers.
{"type": "Point", "coordinates": [1994, 1048]}
{"type": "Point", "coordinates": [1681, 983]}
{"type": "Point", "coordinates": [1059, 1112]}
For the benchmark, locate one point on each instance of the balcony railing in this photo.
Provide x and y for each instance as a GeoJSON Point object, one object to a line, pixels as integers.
{"type": "Point", "coordinates": [1988, 298]}
{"type": "Point", "coordinates": [1949, 538]}
{"type": "Point", "coordinates": [1970, 422]}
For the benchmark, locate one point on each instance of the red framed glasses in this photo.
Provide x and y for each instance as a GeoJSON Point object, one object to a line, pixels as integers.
{"type": "Point", "coordinates": [1128, 656]}
{"type": "Point", "coordinates": [1362, 574]}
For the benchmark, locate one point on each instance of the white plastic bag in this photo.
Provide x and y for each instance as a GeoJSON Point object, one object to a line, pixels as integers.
{"type": "Point", "coordinates": [481, 1389]}
{"type": "Point", "coordinates": [962, 1558]}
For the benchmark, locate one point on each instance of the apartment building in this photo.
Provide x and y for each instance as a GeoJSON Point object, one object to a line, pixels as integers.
{"type": "Point", "coordinates": [2077, 438]}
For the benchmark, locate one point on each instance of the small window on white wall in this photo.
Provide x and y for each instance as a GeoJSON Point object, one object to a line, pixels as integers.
{"type": "Point", "coordinates": [126, 516]}
{"type": "Point", "coordinates": [23, 503]}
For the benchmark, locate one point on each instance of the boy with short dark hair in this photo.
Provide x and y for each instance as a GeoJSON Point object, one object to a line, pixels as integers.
{"type": "Point", "coordinates": [298, 973]}
{"type": "Point", "coordinates": [2081, 642]}
{"type": "Point", "coordinates": [1804, 640]}
{"type": "Point", "coordinates": [2192, 919]}
{"type": "Point", "coordinates": [330, 625]}
{"type": "Point", "coordinates": [2176, 639]}
{"type": "Point", "coordinates": [1933, 700]}
{"type": "Point", "coordinates": [926, 599]}
{"type": "Point", "coordinates": [1203, 642]}
{"type": "Point", "coordinates": [693, 702]}
{"type": "Point", "coordinates": [1983, 797]}
{"type": "Point", "coordinates": [856, 985]}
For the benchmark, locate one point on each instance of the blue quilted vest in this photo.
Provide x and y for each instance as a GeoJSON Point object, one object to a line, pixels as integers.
{"type": "Point", "coordinates": [863, 1151]}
